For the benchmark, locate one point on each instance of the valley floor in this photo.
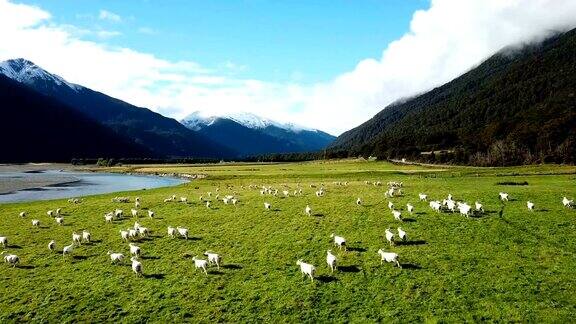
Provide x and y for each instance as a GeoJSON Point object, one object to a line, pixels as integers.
{"type": "Point", "coordinates": [507, 264]}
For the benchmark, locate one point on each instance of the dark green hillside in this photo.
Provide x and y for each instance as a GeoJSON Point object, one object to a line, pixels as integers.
{"type": "Point", "coordinates": [516, 107]}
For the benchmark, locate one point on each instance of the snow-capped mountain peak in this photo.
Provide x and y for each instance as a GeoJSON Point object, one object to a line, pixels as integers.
{"type": "Point", "coordinates": [27, 72]}
{"type": "Point", "coordinates": [197, 120]}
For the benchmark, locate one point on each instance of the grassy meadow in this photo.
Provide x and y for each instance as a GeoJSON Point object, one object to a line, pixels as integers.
{"type": "Point", "coordinates": [509, 264]}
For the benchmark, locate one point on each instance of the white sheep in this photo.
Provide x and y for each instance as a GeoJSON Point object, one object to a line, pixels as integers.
{"type": "Point", "coordinates": [306, 269]}
{"type": "Point", "coordinates": [50, 213]}
{"type": "Point", "coordinates": [358, 201]}
{"type": "Point", "coordinates": [436, 206]}
{"type": "Point", "coordinates": [479, 207]}
{"type": "Point", "coordinates": [267, 206]}
{"type": "Point", "coordinates": [464, 209]}
{"type": "Point", "coordinates": [208, 204]}
{"type": "Point", "coordinates": [136, 266]}
{"type": "Point", "coordinates": [234, 201]}
{"type": "Point", "coordinates": [3, 241]}
{"type": "Point", "coordinates": [23, 214]}
{"type": "Point", "coordinates": [339, 241]}
{"type": "Point", "coordinates": [59, 220]}
{"type": "Point", "coordinates": [76, 238]}
{"type": "Point", "coordinates": [503, 196]}
{"type": "Point", "coordinates": [183, 232]}
{"type": "Point", "coordinates": [331, 260]}
{"type": "Point", "coordinates": [567, 202]}
{"type": "Point", "coordinates": [390, 205]}
{"type": "Point", "coordinates": [132, 234]}
{"type": "Point", "coordinates": [116, 257]}
{"type": "Point", "coordinates": [58, 210]}
{"type": "Point", "coordinates": [86, 236]}
{"type": "Point", "coordinates": [286, 193]}
{"type": "Point", "coordinates": [118, 213]}
{"type": "Point", "coordinates": [143, 231]}
{"type": "Point", "coordinates": [137, 204]}
{"type": "Point", "coordinates": [422, 197]}
{"type": "Point", "coordinates": [35, 222]}
{"type": "Point", "coordinates": [67, 249]}
{"type": "Point", "coordinates": [136, 225]}
{"type": "Point", "coordinates": [308, 210]}
{"type": "Point", "coordinates": [134, 249]}
{"type": "Point", "coordinates": [52, 245]}
{"type": "Point", "coordinates": [410, 208]}
{"type": "Point", "coordinates": [397, 215]}
{"type": "Point", "coordinates": [134, 212]}
{"type": "Point", "coordinates": [389, 257]}
{"type": "Point", "coordinates": [530, 206]}
{"type": "Point", "coordinates": [389, 236]}
{"type": "Point", "coordinates": [200, 264]}
{"type": "Point", "coordinates": [150, 214]}
{"type": "Point", "coordinates": [171, 232]}
{"type": "Point", "coordinates": [402, 234]}
{"type": "Point", "coordinates": [124, 235]}
{"type": "Point", "coordinates": [12, 259]}
{"type": "Point", "coordinates": [109, 217]}
{"type": "Point", "coordinates": [213, 258]}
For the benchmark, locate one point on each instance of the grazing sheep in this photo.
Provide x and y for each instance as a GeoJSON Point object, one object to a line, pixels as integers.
{"type": "Point", "coordinates": [208, 204]}
{"type": "Point", "coordinates": [3, 241]}
{"type": "Point", "coordinates": [331, 260]}
{"type": "Point", "coordinates": [397, 215]}
{"type": "Point", "coordinates": [59, 220]}
{"type": "Point", "coordinates": [530, 206]}
{"type": "Point", "coordinates": [390, 205]}
{"type": "Point", "coordinates": [339, 241]}
{"type": "Point", "coordinates": [137, 204]}
{"type": "Point", "coordinates": [422, 197]}
{"type": "Point", "coordinates": [23, 214]}
{"type": "Point", "coordinates": [12, 259]}
{"type": "Point", "coordinates": [136, 225]}
{"type": "Point", "coordinates": [67, 249]}
{"type": "Point", "coordinates": [308, 210]}
{"type": "Point", "coordinates": [389, 236]}
{"type": "Point", "coordinates": [286, 193]}
{"type": "Point", "coordinates": [52, 245]}
{"type": "Point", "coordinates": [124, 235]}
{"type": "Point", "coordinates": [503, 196]}
{"type": "Point", "coordinates": [35, 222]}
{"type": "Point", "coordinates": [358, 201]}
{"type": "Point", "coordinates": [150, 214]}
{"type": "Point", "coordinates": [116, 257]}
{"type": "Point", "coordinates": [567, 202]}
{"type": "Point", "coordinates": [436, 206]}
{"type": "Point", "coordinates": [234, 201]}
{"type": "Point", "coordinates": [134, 249]}
{"type": "Point", "coordinates": [479, 207]}
{"type": "Point", "coordinates": [171, 232]}
{"type": "Point", "coordinates": [86, 236]}
{"type": "Point", "coordinates": [50, 213]}
{"type": "Point", "coordinates": [267, 206]}
{"type": "Point", "coordinates": [183, 232]}
{"type": "Point", "coordinates": [402, 234]}
{"type": "Point", "coordinates": [118, 213]}
{"type": "Point", "coordinates": [136, 266]}
{"type": "Point", "coordinates": [213, 258]}
{"type": "Point", "coordinates": [200, 264]}
{"type": "Point", "coordinates": [306, 269]}
{"type": "Point", "coordinates": [143, 231]}
{"type": "Point", "coordinates": [132, 234]}
{"type": "Point", "coordinates": [389, 257]}
{"type": "Point", "coordinates": [58, 210]}
{"type": "Point", "coordinates": [410, 208]}
{"type": "Point", "coordinates": [134, 212]}
{"type": "Point", "coordinates": [464, 209]}
{"type": "Point", "coordinates": [109, 217]}
{"type": "Point", "coordinates": [76, 238]}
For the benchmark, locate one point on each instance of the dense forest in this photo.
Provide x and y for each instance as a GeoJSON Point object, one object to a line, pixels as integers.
{"type": "Point", "coordinates": [517, 107]}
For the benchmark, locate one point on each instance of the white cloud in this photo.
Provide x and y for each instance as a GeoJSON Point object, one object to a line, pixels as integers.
{"type": "Point", "coordinates": [109, 16]}
{"type": "Point", "coordinates": [443, 41]}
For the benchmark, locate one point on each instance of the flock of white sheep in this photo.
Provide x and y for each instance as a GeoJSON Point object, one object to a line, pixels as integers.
{"type": "Point", "coordinates": [137, 231]}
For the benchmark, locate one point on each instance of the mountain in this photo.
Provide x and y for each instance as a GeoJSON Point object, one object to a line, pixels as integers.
{"type": "Point", "coordinates": [252, 135]}
{"type": "Point", "coordinates": [36, 128]}
{"type": "Point", "coordinates": [518, 106]}
{"type": "Point", "coordinates": [164, 137]}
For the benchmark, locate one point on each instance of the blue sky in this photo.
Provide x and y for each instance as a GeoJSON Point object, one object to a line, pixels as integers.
{"type": "Point", "coordinates": [277, 41]}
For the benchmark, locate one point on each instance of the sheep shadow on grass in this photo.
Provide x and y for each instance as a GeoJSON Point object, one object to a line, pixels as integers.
{"type": "Point", "coordinates": [150, 257]}
{"type": "Point", "coordinates": [356, 249]}
{"type": "Point", "coordinates": [14, 246]}
{"type": "Point", "coordinates": [158, 276]}
{"type": "Point", "coordinates": [25, 267]}
{"type": "Point", "coordinates": [420, 213]}
{"type": "Point", "coordinates": [80, 257]}
{"type": "Point", "coordinates": [411, 266]}
{"type": "Point", "coordinates": [349, 268]}
{"type": "Point", "coordinates": [318, 215]}
{"type": "Point", "coordinates": [326, 279]}
{"type": "Point", "coordinates": [414, 242]}
{"type": "Point", "coordinates": [215, 272]}
{"type": "Point", "coordinates": [408, 220]}
{"type": "Point", "coordinates": [232, 266]}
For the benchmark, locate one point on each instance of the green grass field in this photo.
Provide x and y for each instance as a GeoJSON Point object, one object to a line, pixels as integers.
{"type": "Point", "coordinates": [511, 266]}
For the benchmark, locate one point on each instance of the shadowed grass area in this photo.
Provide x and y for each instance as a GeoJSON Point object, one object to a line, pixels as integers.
{"type": "Point", "coordinates": [509, 264]}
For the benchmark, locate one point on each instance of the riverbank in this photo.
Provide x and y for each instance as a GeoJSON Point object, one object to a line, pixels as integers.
{"type": "Point", "coordinates": [15, 177]}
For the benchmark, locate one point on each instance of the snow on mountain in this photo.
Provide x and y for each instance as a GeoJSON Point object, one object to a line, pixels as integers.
{"type": "Point", "coordinates": [26, 72]}
{"type": "Point", "coordinates": [198, 120]}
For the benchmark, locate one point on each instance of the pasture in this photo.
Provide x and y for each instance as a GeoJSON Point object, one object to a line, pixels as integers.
{"type": "Point", "coordinates": [507, 264]}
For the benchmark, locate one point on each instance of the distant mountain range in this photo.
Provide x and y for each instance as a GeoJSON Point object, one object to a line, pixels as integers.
{"type": "Point", "coordinates": [253, 135]}
{"type": "Point", "coordinates": [519, 106]}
